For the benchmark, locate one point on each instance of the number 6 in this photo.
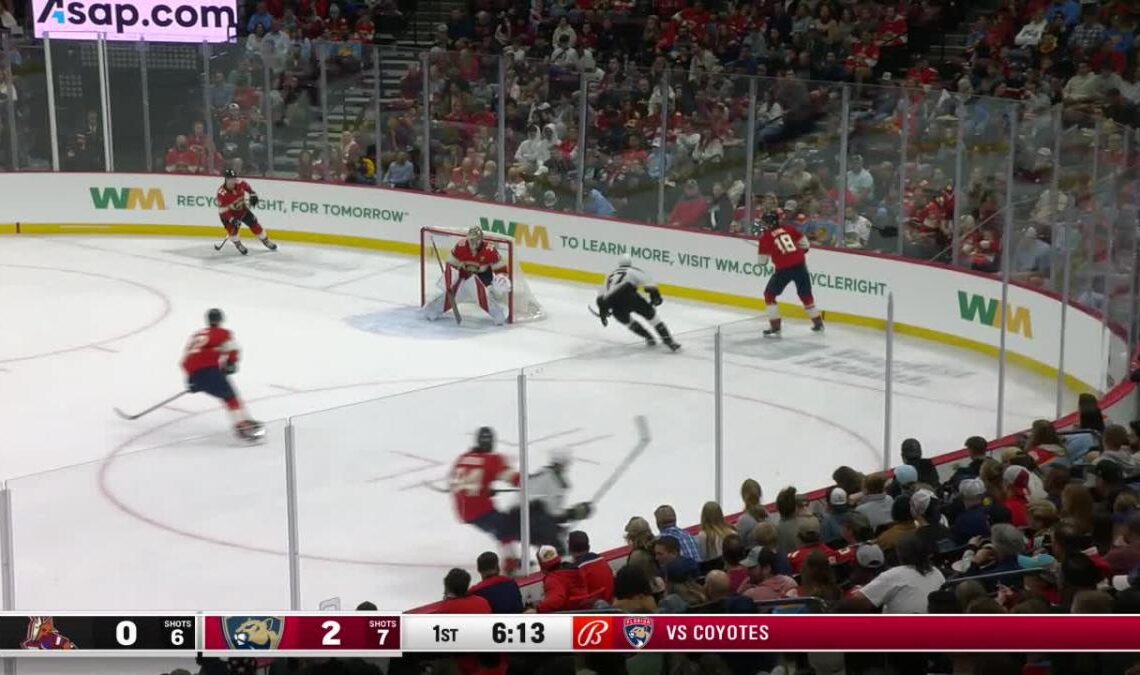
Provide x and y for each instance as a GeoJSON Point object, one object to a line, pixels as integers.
{"type": "Point", "coordinates": [176, 637]}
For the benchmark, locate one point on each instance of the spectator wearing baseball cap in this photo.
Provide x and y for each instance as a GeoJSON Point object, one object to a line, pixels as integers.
{"type": "Point", "coordinates": [764, 583]}
{"type": "Point", "coordinates": [902, 523]}
{"type": "Point", "coordinates": [912, 455]}
{"type": "Point", "coordinates": [869, 562]}
{"type": "Point", "coordinates": [810, 541]}
{"type": "Point", "coordinates": [1042, 582]}
{"type": "Point", "coordinates": [973, 520]}
{"type": "Point", "coordinates": [905, 478]}
{"type": "Point", "coordinates": [831, 529]}
{"type": "Point", "coordinates": [904, 589]}
{"type": "Point", "coordinates": [563, 587]}
{"type": "Point", "coordinates": [926, 509]}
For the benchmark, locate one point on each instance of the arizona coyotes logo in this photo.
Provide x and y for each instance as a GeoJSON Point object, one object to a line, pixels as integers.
{"type": "Point", "coordinates": [42, 634]}
{"type": "Point", "coordinates": [637, 631]}
{"type": "Point", "coordinates": [254, 632]}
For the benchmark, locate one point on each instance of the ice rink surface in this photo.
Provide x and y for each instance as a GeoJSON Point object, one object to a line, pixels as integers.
{"type": "Point", "coordinates": [170, 512]}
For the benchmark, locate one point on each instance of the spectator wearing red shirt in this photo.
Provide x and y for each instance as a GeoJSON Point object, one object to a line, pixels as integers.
{"type": "Point", "coordinates": [456, 599]}
{"type": "Point", "coordinates": [921, 72]}
{"type": "Point", "coordinates": [809, 536]}
{"type": "Point", "coordinates": [181, 158]}
{"type": "Point", "coordinates": [563, 587]}
{"type": "Point", "coordinates": [691, 209]}
{"type": "Point", "coordinates": [596, 571]}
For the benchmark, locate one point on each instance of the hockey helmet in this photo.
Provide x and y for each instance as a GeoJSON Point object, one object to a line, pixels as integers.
{"type": "Point", "coordinates": [625, 261]}
{"type": "Point", "coordinates": [475, 236]}
{"type": "Point", "coordinates": [559, 457]}
{"type": "Point", "coordinates": [485, 439]}
{"type": "Point", "coordinates": [214, 317]}
{"type": "Point", "coordinates": [229, 177]}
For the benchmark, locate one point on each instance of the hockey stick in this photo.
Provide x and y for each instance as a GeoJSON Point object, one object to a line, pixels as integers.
{"type": "Point", "coordinates": [218, 247]}
{"type": "Point", "coordinates": [153, 407]}
{"type": "Point", "coordinates": [593, 311]}
{"type": "Point", "coordinates": [642, 443]}
{"type": "Point", "coordinates": [448, 293]}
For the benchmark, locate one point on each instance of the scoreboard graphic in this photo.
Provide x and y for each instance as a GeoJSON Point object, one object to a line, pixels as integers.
{"type": "Point", "coordinates": [376, 634]}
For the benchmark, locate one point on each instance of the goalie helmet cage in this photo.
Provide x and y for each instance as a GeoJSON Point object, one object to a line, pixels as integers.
{"type": "Point", "coordinates": [523, 306]}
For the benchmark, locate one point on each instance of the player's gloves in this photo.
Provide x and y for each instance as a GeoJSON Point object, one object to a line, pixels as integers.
{"type": "Point", "coordinates": [253, 200]}
{"type": "Point", "coordinates": [580, 511]}
{"type": "Point", "coordinates": [654, 296]}
{"type": "Point", "coordinates": [231, 368]}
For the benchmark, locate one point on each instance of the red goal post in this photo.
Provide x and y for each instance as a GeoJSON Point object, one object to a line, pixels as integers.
{"type": "Point", "coordinates": [523, 305]}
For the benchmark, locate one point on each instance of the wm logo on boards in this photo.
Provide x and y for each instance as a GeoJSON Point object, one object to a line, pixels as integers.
{"type": "Point", "coordinates": [127, 198]}
{"type": "Point", "coordinates": [979, 309]}
{"type": "Point", "coordinates": [528, 236]}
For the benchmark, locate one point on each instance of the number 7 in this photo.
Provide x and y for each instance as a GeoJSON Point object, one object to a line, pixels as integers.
{"type": "Point", "coordinates": [383, 633]}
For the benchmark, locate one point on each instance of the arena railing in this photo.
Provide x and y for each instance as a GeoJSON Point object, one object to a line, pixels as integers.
{"type": "Point", "coordinates": [129, 102]}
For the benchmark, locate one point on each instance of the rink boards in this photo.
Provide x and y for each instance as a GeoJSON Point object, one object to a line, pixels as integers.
{"type": "Point", "coordinates": [950, 306]}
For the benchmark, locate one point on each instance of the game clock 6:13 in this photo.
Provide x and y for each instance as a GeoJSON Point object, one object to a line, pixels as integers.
{"type": "Point", "coordinates": [525, 632]}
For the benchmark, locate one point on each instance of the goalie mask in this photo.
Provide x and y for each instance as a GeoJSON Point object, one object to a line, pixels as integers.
{"type": "Point", "coordinates": [475, 238]}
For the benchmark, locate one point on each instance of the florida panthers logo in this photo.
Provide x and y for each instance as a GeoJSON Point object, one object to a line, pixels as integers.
{"type": "Point", "coordinates": [637, 631]}
{"type": "Point", "coordinates": [254, 632]}
{"type": "Point", "coordinates": [42, 634]}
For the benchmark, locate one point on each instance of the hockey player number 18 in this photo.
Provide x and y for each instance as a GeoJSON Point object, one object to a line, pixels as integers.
{"type": "Point", "coordinates": [784, 243]}
{"type": "Point", "coordinates": [468, 481]}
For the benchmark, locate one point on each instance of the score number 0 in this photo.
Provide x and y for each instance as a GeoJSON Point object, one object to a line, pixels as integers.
{"type": "Point", "coordinates": [127, 633]}
{"type": "Point", "coordinates": [332, 630]}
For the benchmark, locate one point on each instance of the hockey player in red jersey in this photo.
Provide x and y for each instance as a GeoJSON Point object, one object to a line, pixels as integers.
{"type": "Point", "coordinates": [787, 248]}
{"type": "Point", "coordinates": [234, 199]}
{"type": "Point", "coordinates": [475, 272]}
{"type": "Point", "coordinates": [211, 355]}
{"type": "Point", "coordinates": [472, 480]}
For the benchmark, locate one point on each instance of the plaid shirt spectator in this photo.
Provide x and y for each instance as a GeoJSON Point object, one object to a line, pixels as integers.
{"type": "Point", "coordinates": [1088, 35]}
{"type": "Point", "coordinates": [667, 527]}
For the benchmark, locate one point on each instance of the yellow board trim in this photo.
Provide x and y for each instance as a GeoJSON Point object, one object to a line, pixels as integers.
{"type": "Point", "coordinates": [713, 297]}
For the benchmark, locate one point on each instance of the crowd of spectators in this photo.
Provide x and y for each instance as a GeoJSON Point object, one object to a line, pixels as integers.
{"type": "Point", "coordinates": [1048, 524]}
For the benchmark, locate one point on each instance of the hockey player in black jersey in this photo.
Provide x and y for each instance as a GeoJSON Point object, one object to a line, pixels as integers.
{"type": "Point", "coordinates": [620, 298]}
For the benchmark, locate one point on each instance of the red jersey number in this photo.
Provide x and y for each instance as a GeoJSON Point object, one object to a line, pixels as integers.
{"type": "Point", "coordinates": [471, 479]}
{"type": "Point", "coordinates": [207, 348]}
{"type": "Point", "coordinates": [782, 244]}
{"type": "Point", "coordinates": [233, 202]}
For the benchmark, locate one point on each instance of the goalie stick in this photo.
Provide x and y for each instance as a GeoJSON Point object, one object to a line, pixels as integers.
{"type": "Point", "coordinates": [154, 407]}
{"type": "Point", "coordinates": [643, 439]}
{"type": "Point", "coordinates": [449, 294]}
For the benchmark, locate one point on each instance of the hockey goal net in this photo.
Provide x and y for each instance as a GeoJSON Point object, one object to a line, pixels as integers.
{"type": "Point", "coordinates": [523, 305]}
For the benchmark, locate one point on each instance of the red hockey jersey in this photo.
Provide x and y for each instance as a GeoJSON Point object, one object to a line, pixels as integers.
{"type": "Point", "coordinates": [234, 203]}
{"type": "Point", "coordinates": [207, 348]}
{"type": "Point", "coordinates": [486, 257]}
{"type": "Point", "coordinates": [785, 245]}
{"type": "Point", "coordinates": [471, 479]}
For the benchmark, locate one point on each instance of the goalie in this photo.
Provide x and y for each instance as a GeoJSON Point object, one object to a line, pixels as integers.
{"type": "Point", "coordinates": [475, 272]}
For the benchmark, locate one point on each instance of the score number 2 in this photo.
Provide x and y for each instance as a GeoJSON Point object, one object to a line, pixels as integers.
{"type": "Point", "coordinates": [332, 634]}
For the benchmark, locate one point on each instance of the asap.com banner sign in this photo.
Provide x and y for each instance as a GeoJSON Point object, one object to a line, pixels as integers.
{"type": "Point", "coordinates": [151, 20]}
